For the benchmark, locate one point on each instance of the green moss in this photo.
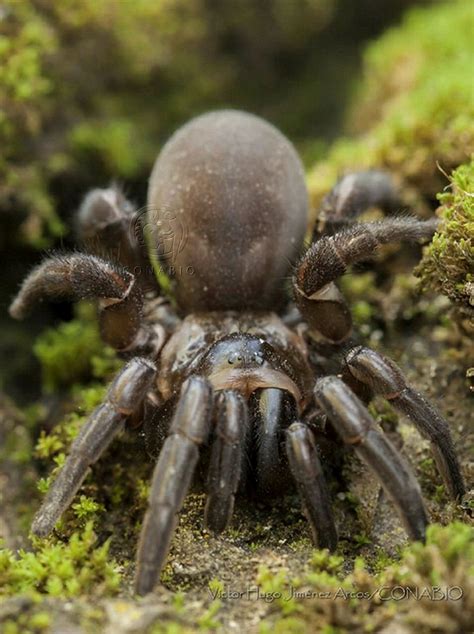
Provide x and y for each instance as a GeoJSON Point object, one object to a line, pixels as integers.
{"type": "Point", "coordinates": [216, 586]}
{"type": "Point", "coordinates": [207, 621]}
{"type": "Point", "coordinates": [65, 352]}
{"type": "Point", "coordinates": [285, 625]}
{"type": "Point", "coordinates": [327, 598]}
{"type": "Point", "coordinates": [50, 446]}
{"type": "Point", "coordinates": [448, 263]}
{"type": "Point", "coordinates": [362, 312]}
{"type": "Point", "coordinates": [26, 40]}
{"type": "Point", "coordinates": [37, 622]}
{"type": "Point", "coordinates": [414, 106]}
{"type": "Point", "coordinates": [383, 413]}
{"type": "Point", "coordinates": [112, 143]}
{"type": "Point", "coordinates": [77, 567]}
{"type": "Point", "coordinates": [413, 116]}
{"type": "Point", "coordinates": [324, 561]}
{"type": "Point", "coordinates": [382, 561]}
{"type": "Point", "coordinates": [73, 352]}
{"type": "Point", "coordinates": [85, 507]}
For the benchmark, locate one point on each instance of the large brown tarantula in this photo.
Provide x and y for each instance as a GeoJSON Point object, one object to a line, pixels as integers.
{"type": "Point", "coordinates": [223, 369]}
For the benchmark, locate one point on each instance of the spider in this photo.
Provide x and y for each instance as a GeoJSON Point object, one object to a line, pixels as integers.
{"type": "Point", "coordinates": [222, 372]}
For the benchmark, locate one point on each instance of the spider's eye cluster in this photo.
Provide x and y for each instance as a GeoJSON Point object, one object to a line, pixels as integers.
{"type": "Point", "coordinates": [235, 357]}
{"type": "Point", "coordinates": [258, 358]}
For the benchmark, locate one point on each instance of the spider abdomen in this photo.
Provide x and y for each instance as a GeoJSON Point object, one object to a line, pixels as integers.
{"type": "Point", "coordinates": [227, 209]}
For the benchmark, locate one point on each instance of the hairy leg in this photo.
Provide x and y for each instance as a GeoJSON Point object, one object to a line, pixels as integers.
{"type": "Point", "coordinates": [227, 453]}
{"type": "Point", "coordinates": [308, 474]}
{"type": "Point", "coordinates": [354, 424]}
{"type": "Point", "coordinates": [384, 377]}
{"type": "Point", "coordinates": [123, 398]}
{"type": "Point", "coordinates": [77, 276]}
{"type": "Point", "coordinates": [172, 478]}
{"type": "Point", "coordinates": [317, 297]}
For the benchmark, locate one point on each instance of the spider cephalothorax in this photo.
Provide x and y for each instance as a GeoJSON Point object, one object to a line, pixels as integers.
{"type": "Point", "coordinates": [225, 365]}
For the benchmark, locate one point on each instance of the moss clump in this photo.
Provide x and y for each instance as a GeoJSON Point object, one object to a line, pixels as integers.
{"type": "Point", "coordinates": [35, 622]}
{"type": "Point", "coordinates": [415, 105]}
{"type": "Point", "coordinates": [327, 598]}
{"type": "Point", "coordinates": [80, 567]}
{"type": "Point", "coordinates": [74, 352]}
{"type": "Point", "coordinates": [65, 353]}
{"type": "Point", "coordinates": [448, 263]}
